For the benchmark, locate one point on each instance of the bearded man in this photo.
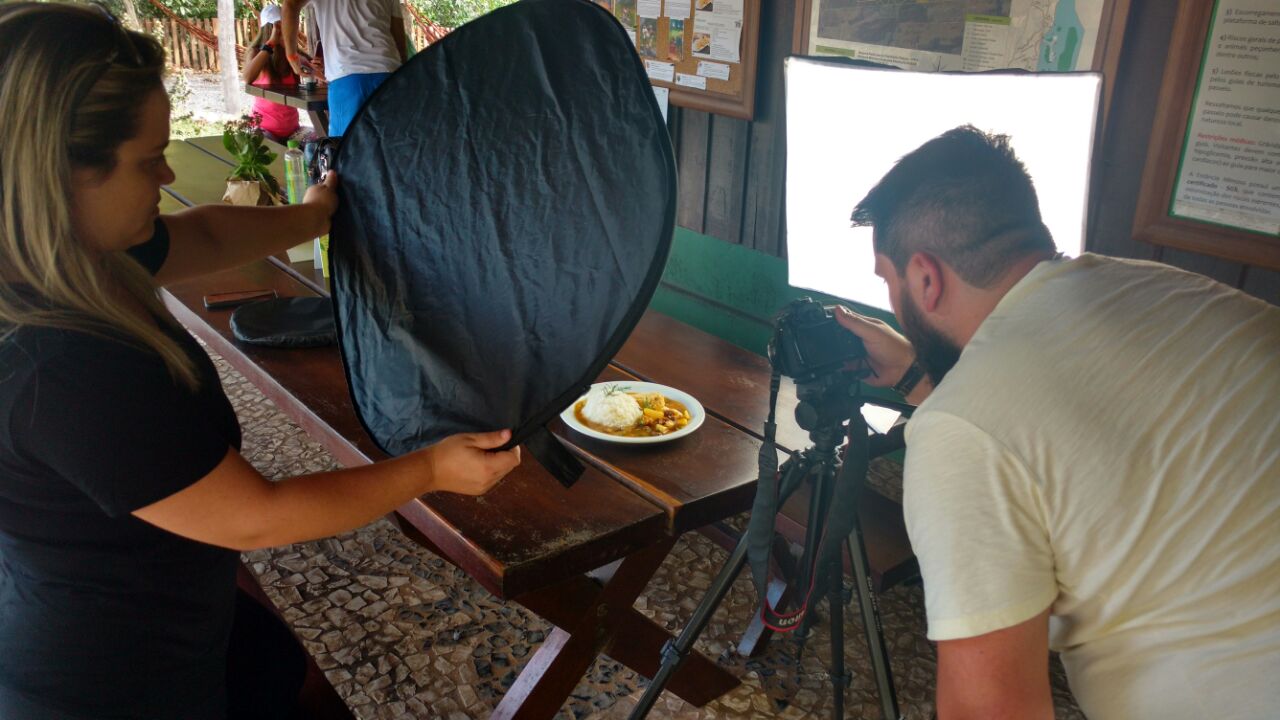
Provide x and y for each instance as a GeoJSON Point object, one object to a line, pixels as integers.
{"type": "Point", "coordinates": [1094, 466]}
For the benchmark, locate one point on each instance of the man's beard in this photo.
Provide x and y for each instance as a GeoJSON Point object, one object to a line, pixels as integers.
{"type": "Point", "coordinates": [934, 351]}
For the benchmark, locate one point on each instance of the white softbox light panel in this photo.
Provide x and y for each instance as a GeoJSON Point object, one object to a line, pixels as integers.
{"type": "Point", "coordinates": [848, 125]}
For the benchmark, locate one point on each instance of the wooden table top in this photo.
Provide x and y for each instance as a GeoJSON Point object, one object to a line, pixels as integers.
{"type": "Point", "coordinates": [293, 95]}
{"type": "Point", "coordinates": [529, 531]}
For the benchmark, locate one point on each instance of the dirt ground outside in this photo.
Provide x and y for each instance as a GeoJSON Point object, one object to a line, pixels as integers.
{"type": "Point", "coordinates": [197, 104]}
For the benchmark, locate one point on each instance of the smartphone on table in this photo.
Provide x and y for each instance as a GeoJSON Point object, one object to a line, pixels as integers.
{"type": "Point", "coordinates": [219, 301]}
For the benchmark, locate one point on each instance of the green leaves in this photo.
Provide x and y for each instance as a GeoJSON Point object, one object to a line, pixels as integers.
{"type": "Point", "coordinates": [243, 140]}
{"type": "Point", "coordinates": [453, 13]}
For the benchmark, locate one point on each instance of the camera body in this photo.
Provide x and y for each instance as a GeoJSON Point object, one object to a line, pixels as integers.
{"type": "Point", "coordinates": [808, 341]}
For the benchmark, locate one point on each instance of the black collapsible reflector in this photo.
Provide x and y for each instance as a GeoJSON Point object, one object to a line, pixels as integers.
{"type": "Point", "coordinates": [508, 200]}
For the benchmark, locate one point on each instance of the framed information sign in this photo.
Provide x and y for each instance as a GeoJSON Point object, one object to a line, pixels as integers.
{"type": "Point", "coordinates": [1212, 179]}
{"type": "Point", "coordinates": [969, 35]}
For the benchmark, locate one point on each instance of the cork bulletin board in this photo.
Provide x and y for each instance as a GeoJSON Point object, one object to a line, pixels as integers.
{"type": "Point", "coordinates": [700, 54]}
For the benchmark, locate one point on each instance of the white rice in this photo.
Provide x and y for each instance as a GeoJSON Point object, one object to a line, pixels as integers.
{"type": "Point", "coordinates": [617, 411]}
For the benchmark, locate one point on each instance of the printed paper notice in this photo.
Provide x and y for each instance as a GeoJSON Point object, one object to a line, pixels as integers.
{"type": "Point", "coordinates": [716, 37]}
{"type": "Point", "coordinates": [986, 42]}
{"type": "Point", "coordinates": [1230, 171]}
{"type": "Point", "coordinates": [679, 8]}
{"type": "Point", "coordinates": [675, 40]}
{"type": "Point", "coordinates": [715, 71]}
{"type": "Point", "coordinates": [693, 81]}
{"type": "Point", "coordinates": [647, 40]}
{"type": "Point", "coordinates": [663, 71]}
{"type": "Point", "coordinates": [625, 11]}
{"type": "Point", "coordinates": [663, 95]}
{"type": "Point", "coordinates": [649, 8]}
{"type": "Point", "coordinates": [724, 8]}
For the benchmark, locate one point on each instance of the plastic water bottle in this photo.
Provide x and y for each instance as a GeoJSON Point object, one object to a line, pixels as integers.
{"type": "Point", "coordinates": [295, 186]}
{"type": "Point", "coordinates": [295, 173]}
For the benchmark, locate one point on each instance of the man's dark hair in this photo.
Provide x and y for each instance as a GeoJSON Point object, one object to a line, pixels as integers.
{"type": "Point", "coordinates": [963, 197]}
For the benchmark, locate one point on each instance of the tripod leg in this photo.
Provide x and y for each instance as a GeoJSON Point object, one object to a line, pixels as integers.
{"type": "Point", "coordinates": [836, 599]}
{"type": "Point", "coordinates": [793, 472]}
{"type": "Point", "coordinates": [811, 570]}
{"type": "Point", "coordinates": [872, 627]}
{"type": "Point", "coordinates": [674, 653]}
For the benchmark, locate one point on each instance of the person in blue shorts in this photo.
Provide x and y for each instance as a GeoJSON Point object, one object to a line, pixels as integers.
{"type": "Point", "coordinates": [363, 41]}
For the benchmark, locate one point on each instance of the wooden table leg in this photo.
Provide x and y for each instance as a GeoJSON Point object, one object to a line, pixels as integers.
{"type": "Point", "coordinates": [319, 121]}
{"type": "Point", "coordinates": [594, 618]}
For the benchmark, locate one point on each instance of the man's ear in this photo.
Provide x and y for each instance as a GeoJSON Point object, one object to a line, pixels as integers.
{"type": "Point", "coordinates": [925, 281]}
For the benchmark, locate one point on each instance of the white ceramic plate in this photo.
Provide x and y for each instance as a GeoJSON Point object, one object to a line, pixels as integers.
{"type": "Point", "coordinates": [696, 412]}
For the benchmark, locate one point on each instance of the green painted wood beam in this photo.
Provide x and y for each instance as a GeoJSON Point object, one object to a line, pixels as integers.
{"type": "Point", "coordinates": [730, 291]}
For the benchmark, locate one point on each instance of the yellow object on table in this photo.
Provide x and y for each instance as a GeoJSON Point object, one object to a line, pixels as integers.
{"type": "Point", "coordinates": [302, 252]}
{"type": "Point", "coordinates": [324, 254]}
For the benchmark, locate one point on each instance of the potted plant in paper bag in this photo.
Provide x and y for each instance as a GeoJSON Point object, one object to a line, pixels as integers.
{"type": "Point", "coordinates": [250, 181]}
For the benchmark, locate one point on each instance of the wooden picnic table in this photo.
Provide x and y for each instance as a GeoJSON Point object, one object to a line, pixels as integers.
{"type": "Point", "coordinates": [314, 101]}
{"type": "Point", "coordinates": [580, 556]}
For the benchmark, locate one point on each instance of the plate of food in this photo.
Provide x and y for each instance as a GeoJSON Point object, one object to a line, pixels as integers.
{"type": "Point", "coordinates": [636, 413]}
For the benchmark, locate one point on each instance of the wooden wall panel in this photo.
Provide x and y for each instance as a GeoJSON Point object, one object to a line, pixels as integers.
{"type": "Point", "coordinates": [764, 202]}
{"type": "Point", "coordinates": [727, 177]}
{"type": "Point", "coordinates": [693, 130]}
{"type": "Point", "coordinates": [1119, 165]}
{"type": "Point", "coordinates": [1263, 283]}
{"type": "Point", "coordinates": [731, 172]}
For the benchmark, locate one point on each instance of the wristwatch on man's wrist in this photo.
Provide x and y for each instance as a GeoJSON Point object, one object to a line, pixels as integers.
{"type": "Point", "coordinates": [909, 379]}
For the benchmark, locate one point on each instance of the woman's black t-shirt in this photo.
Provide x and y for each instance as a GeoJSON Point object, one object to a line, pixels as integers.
{"type": "Point", "coordinates": [101, 614]}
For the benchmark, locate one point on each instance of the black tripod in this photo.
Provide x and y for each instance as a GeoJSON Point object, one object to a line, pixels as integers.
{"type": "Point", "coordinates": [826, 404]}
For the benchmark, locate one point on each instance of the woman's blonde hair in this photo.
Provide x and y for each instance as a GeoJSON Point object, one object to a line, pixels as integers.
{"type": "Point", "coordinates": [72, 82]}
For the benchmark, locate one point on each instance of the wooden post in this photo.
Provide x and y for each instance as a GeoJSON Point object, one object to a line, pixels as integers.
{"type": "Point", "coordinates": [131, 16]}
{"type": "Point", "coordinates": [228, 64]}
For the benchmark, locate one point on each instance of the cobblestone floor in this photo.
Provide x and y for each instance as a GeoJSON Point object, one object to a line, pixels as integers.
{"type": "Point", "coordinates": [402, 634]}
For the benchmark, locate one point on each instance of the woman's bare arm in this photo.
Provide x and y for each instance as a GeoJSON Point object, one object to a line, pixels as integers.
{"type": "Point", "coordinates": [235, 507]}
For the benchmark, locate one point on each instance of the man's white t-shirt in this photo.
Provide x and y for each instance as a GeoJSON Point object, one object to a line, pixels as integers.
{"type": "Point", "coordinates": [1108, 446]}
{"type": "Point", "coordinates": [356, 35]}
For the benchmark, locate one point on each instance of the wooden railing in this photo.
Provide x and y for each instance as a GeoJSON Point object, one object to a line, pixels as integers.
{"type": "Point", "coordinates": [188, 53]}
{"type": "Point", "coordinates": [184, 51]}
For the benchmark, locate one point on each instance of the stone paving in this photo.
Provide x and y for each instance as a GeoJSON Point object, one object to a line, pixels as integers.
{"type": "Point", "coordinates": [403, 634]}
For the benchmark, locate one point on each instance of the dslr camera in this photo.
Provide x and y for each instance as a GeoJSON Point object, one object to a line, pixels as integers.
{"type": "Point", "coordinates": [319, 156]}
{"type": "Point", "coordinates": [808, 342]}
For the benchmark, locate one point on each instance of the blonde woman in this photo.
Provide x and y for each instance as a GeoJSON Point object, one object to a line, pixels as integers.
{"type": "Point", "coordinates": [123, 499]}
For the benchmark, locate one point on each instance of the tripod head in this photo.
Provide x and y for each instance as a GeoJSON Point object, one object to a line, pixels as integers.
{"type": "Point", "coordinates": [809, 346]}
{"type": "Point", "coordinates": [826, 402]}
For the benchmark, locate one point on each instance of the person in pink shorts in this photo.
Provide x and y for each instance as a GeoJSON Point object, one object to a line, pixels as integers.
{"type": "Point", "coordinates": [265, 64]}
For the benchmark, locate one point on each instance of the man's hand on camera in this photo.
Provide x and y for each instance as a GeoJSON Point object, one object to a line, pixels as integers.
{"type": "Point", "coordinates": [889, 354]}
{"type": "Point", "coordinates": [470, 463]}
